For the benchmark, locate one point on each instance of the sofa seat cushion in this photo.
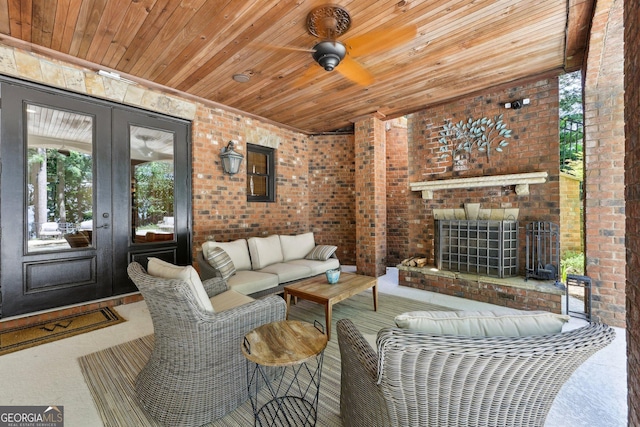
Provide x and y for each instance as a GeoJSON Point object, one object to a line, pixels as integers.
{"type": "Point", "coordinates": [287, 272]}
{"type": "Point", "coordinates": [237, 251]}
{"type": "Point", "coordinates": [159, 268]}
{"type": "Point", "coordinates": [483, 323]}
{"type": "Point", "coordinates": [296, 247]}
{"type": "Point", "coordinates": [229, 299]}
{"type": "Point", "coordinates": [264, 251]}
{"type": "Point", "coordinates": [317, 267]}
{"type": "Point", "coordinates": [248, 282]}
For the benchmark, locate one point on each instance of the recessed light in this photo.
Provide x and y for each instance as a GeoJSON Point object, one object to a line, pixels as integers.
{"type": "Point", "coordinates": [241, 78]}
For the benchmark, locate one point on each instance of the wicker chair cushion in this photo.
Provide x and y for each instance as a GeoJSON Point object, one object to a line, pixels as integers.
{"type": "Point", "coordinates": [483, 323]}
{"type": "Point", "coordinates": [188, 274]}
{"type": "Point", "coordinates": [296, 247]}
{"type": "Point", "coordinates": [265, 251]}
{"type": "Point", "coordinates": [237, 251]}
{"type": "Point", "coordinates": [321, 252]}
{"type": "Point", "coordinates": [219, 259]}
{"type": "Point", "coordinates": [228, 300]}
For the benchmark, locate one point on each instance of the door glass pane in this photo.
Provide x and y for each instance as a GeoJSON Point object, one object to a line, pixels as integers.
{"type": "Point", "coordinates": [59, 177]}
{"type": "Point", "coordinates": [152, 184]}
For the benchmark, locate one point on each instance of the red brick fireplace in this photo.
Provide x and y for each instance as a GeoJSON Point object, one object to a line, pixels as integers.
{"type": "Point", "coordinates": [532, 149]}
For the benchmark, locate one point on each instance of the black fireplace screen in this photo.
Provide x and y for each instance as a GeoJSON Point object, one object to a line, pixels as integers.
{"type": "Point", "coordinates": [483, 247]}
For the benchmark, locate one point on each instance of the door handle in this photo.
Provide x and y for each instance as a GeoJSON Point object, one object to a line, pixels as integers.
{"type": "Point", "coordinates": [103, 226]}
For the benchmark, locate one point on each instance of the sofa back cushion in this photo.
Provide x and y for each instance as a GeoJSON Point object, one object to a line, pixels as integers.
{"type": "Point", "coordinates": [296, 247]}
{"type": "Point", "coordinates": [265, 251]}
{"type": "Point", "coordinates": [483, 323]}
{"type": "Point", "coordinates": [158, 268]}
{"type": "Point", "coordinates": [237, 251]}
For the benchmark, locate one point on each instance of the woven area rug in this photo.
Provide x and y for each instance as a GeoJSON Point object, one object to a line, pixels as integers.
{"type": "Point", "coordinates": [15, 339]}
{"type": "Point", "coordinates": [110, 373]}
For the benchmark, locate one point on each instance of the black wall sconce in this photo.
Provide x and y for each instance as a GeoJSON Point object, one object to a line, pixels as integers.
{"type": "Point", "coordinates": [517, 104]}
{"type": "Point", "coordinates": [230, 159]}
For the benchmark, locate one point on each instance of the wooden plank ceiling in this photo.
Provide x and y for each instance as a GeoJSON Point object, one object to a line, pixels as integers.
{"type": "Point", "coordinates": [196, 46]}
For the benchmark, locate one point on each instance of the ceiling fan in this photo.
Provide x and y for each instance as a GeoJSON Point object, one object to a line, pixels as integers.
{"type": "Point", "coordinates": [146, 151]}
{"type": "Point", "coordinates": [330, 22]}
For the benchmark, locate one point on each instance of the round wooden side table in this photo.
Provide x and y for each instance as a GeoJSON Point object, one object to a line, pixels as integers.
{"type": "Point", "coordinates": [284, 382]}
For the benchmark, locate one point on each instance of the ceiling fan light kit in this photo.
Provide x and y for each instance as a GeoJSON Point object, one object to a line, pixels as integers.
{"type": "Point", "coordinates": [329, 54]}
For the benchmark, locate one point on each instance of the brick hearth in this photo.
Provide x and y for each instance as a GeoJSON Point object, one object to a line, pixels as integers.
{"type": "Point", "coordinates": [512, 292]}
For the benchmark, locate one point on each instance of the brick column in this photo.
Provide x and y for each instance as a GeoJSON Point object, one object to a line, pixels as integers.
{"type": "Point", "coordinates": [632, 179]}
{"type": "Point", "coordinates": [397, 191]}
{"type": "Point", "coordinates": [604, 163]}
{"type": "Point", "coordinates": [371, 206]}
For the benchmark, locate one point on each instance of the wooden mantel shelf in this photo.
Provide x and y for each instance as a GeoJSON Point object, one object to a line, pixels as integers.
{"type": "Point", "coordinates": [520, 180]}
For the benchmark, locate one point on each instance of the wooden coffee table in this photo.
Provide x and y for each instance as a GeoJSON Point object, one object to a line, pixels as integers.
{"type": "Point", "coordinates": [317, 289]}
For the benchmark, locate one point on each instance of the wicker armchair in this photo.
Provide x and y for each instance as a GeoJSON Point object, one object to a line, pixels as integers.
{"type": "Point", "coordinates": [447, 380]}
{"type": "Point", "coordinates": [196, 372]}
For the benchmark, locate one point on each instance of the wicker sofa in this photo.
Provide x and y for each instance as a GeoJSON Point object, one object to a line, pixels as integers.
{"type": "Point", "coordinates": [264, 265]}
{"type": "Point", "coordinates": [424, 379]}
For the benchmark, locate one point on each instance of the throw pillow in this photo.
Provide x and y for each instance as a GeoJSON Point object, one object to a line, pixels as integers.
{"type": "Point", "coordinates": [483, 323]}
{"type": "Point", "coordinates": [159, 268]}
{"type": "Point", "coordinates": [219, 259]}
{"type": "Point", "coordinates": [321, 252]}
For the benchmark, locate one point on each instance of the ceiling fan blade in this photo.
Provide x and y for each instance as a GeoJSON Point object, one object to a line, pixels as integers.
{"type": "Point", "coordinates": [309, 74]}
{"type": "Point", "coordinates": [380, 40]}
{"type": "Point", "coordinates": [355, 72]}
{"type": "Point", "coordinates": [289, 48]}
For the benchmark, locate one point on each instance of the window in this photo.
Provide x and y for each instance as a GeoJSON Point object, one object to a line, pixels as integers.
{"type": "Point", "coordinates": [260, 174]}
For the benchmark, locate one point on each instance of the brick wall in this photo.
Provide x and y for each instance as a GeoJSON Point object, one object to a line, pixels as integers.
{"type": "Point", "coordinates": [604, 163]}
{"type": "Point", "coordinates": [220, 208]}
{"type": "Point", "coordinates": [332, 193]}
{"type": "Point", "coordinates": [397, 191]}
{"type": "Point", "coordinates": [571, 221]}
{"type": "Point", "coordinates": [532, 148]}
{"type": "Point", "coordinates": [632, 179]}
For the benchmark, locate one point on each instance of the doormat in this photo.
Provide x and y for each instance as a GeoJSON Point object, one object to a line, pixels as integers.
{"type": "Point", "coordinates": [23, 337]}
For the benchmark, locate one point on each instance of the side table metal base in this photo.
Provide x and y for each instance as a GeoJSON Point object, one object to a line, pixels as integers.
{"type": "Point", "coordinates": [289, 400]}
{"type": "Point", "coordinates": [284, 368]}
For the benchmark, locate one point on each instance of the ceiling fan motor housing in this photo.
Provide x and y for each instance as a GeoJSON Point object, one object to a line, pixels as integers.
{"type": "Point", "coordinates": [329, 54]}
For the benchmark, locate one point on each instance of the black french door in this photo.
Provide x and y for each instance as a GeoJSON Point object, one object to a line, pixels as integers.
{"type": "Point", "coordinates": [86, 187]}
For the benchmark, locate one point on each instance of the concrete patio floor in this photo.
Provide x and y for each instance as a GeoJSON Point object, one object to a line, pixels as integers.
{"type": "Point", "coordinates": [49, 374]}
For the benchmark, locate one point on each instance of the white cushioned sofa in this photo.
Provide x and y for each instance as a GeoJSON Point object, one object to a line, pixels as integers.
{"type": "Point", "coordinates": [260, 266]}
